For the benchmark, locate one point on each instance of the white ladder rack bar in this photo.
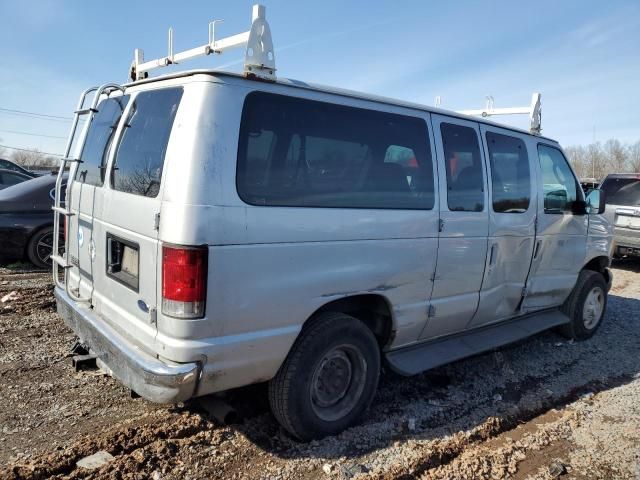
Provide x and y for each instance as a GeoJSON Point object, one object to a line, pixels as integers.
{"type": "Point", "coordinates": [534, 111]}
{"type": "Point", "coordinates": [259, 54]}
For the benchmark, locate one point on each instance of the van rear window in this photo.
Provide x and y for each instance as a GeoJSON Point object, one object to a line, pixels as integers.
{"type": "Point", "coordinates": [96, 147]}
{"type": "Point", "coordinates": [140, 156]}
{"type": "Point", "coordinates": [623, 191]}
{"type": "Point", "coordinates": [304, 153]}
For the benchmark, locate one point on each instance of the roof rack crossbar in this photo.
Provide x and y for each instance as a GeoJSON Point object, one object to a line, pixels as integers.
{"type": "Point", "coordinates": [534, 111]}
{"type": "Point", "coordinates": [259, 57]}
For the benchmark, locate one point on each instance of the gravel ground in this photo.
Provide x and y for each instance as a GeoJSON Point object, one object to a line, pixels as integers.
{"type": "Point", "coordinates": [543, 408]}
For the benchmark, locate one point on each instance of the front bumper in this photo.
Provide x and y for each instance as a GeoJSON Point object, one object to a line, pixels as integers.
{"type": "Point", "coordinates": [145, 374]}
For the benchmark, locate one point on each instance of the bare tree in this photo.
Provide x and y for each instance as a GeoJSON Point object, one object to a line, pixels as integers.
{"type": "Point", "coordinates": [616, 155]}
{"type": "Point", "coordinates": [577, 158]}
{"type": "Point", "coordinates": [28, 159]}
{"type": "Point", "coordinates": [33, 159]}
{"type": "Point", "coordinates": [634, 157]}
{"type": "Point", "coordinates": [596, 161]}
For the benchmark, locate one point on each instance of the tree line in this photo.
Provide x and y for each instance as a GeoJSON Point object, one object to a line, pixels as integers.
{"type": "Point", "coordinates": [30, 159]}
{"type": "Point", "coordinates": [596, 160]}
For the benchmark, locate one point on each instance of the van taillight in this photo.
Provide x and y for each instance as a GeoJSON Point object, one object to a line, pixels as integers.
{"type": "Point", "coordinates": [184, 281]}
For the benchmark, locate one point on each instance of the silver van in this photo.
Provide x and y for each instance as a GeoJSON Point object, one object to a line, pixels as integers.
{"type": "Point", "coordinates": [223, 230]}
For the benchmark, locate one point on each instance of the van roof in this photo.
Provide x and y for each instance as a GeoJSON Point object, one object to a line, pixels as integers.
{"type": "Point", "coordinates": [339, 91]}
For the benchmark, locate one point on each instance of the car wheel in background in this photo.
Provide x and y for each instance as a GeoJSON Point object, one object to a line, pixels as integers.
{"type": "Point", "coordinates": [40, 247]}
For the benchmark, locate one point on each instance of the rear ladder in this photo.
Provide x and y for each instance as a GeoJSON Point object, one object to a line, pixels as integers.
{"type": "Point", "coordinates": [60, 261]}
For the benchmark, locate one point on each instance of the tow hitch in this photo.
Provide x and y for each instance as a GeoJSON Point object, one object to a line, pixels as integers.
{"type": "Point", "coordinates": [82, 358]}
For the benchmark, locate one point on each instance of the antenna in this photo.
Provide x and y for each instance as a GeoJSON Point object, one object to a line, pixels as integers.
{"type": "Point", "coordinates": [534, 111]}
{"type": "Point", "coordinates": [259, 57]}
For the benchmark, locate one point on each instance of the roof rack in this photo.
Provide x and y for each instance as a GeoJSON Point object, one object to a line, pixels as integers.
{"type": "Point", "coordinates": [259, 57]}
{"type": "Point", "coordinates": [534, 111]}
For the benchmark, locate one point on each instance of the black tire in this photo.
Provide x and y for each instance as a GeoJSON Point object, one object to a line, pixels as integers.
{"type": "Point", "coordinates": [37, 251]}
{"type": "Point", "coordinates": [336, 357]}
{"type": "Point", "coordinates": [578, 309]}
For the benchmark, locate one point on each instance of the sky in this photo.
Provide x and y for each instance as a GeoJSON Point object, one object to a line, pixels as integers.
{"type": "Point", "coordinates": [582, 56]}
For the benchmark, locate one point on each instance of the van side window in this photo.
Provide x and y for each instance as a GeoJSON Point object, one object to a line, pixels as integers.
{"type": "Point", "coordinates": [140, 156]}
{"type": "Point", "coordinates": [559, 185]}
{"type": "Point", "coordinates": [303, 153]}
{"type": "Point", "coordinates": [94, 155]}
{"type": "Point", "coordinates": [465, 187]}
{"type": "Point", "coordinates": [510, 173]}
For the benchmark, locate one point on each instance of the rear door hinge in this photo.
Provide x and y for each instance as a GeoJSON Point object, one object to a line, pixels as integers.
{"type": "Point", "coordinates": [153, 316]}
{"type": "Point", "coordinates": [156, 222]}
{"type": "Point", "coordinates": [524, 291]}
{"type": "Point", "coordinates": [431, 311]}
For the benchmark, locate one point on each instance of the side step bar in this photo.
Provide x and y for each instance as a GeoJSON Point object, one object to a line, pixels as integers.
{"type": "Point", "coordinates": [424, 356]}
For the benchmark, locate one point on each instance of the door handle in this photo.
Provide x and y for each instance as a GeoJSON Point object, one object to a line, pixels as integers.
{"type": "Point", "coordinates": [493, 255]}
{"type": "Point", "coordinates": [536, 249]}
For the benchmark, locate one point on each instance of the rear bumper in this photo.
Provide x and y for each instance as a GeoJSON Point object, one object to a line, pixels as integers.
{"type": "Point", "coordinates": [626, 242]}
{"type": "Point", "coordinates": [145, 374]}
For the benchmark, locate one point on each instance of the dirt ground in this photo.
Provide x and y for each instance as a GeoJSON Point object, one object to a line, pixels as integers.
{"type": "Point", "coordinates": [543, 408]}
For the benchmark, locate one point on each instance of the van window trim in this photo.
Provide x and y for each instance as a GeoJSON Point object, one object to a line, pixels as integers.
{"type": "Point", "coordinates": [532, 174]}
{"type": "Point", "coordinates": [579, 192]}
{"type": "Point", "coordinates": [111, 148]}
{"type": "Point", "coordinates": [429, 139]}
{"type": "Point", "coordinates": [119, 135]}
{"type": "Point", "coordinates": [477, 126]}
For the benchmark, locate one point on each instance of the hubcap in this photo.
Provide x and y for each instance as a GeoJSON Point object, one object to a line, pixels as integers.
{"type": "Point", "coordinates": [593, 308]}
{"type": "Point", "coordinates": [337, 383]}
{"type": "Point", "coordinates": [44, 247]}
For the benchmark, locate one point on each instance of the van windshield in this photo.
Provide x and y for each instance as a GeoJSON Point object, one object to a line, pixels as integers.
{"type": "Point", "coordinates": [622, 191]}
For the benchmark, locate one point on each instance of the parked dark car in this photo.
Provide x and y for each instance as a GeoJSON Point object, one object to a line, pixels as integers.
{"type": "Point", "coordinates": [14, 167]}
{"type": "Point", "coordinates": [9, 178]}
{"type": "Point", "coordinates": [26, 221]}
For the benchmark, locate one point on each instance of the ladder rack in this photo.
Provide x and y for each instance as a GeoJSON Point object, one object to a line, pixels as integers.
{"type": "Point", "coordinates": [259, 56]}
{"type": "Point", "coordinates": [534, 111]}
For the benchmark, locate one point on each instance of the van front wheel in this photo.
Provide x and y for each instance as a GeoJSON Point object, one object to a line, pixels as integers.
{"type": "Point", "coordinates": [585, 306]}
{"type": "Point", "coordinates": [328, 379]}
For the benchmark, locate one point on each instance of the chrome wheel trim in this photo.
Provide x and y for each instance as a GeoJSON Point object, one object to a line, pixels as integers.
{"type": "Point", "coordinates": [338, 382]}
{"type": "Point", "coordinates": [593, 308]}
{"type": "Point", "coordinates": [44, 247]}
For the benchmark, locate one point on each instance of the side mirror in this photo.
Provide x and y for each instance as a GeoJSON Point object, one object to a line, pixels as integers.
{"type": "Point", "coordinates": [596, 202]}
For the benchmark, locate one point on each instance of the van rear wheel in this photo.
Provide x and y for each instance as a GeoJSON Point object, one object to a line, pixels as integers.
{"type": "Point", "coordinates": [328, 379]}
{"type": "Point", "coordinates": [585, 306]}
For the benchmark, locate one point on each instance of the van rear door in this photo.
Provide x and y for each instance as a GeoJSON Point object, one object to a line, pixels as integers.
{"type": "Point", "coordinates": [126, 231]}
{"type": "Point", "coordinates": [87, 192]}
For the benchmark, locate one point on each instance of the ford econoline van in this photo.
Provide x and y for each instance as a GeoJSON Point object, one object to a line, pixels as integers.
{"type": "Point", "coordinates": [222, 230]}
